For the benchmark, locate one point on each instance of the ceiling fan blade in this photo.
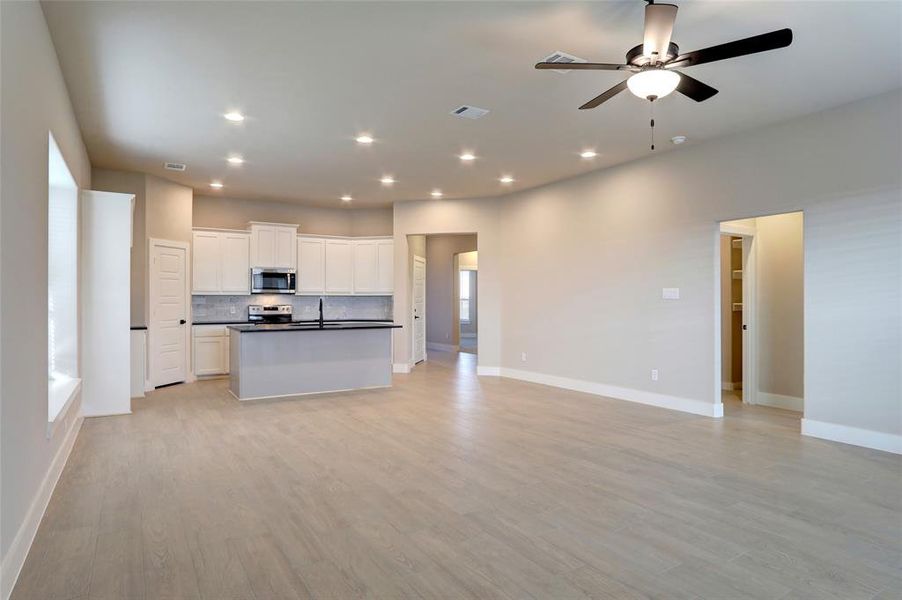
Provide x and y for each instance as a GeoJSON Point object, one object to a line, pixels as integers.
{"type": "Point", "coordinates": [659, 20]}
{"type": "Point", "coordinates": [576, 66]}
{"type": "Point", "coordinates": [695, 89]}
{"type": "Point", "coordinates": [604, 96]}
{"type": "Point", "coordinates": [758, 43]}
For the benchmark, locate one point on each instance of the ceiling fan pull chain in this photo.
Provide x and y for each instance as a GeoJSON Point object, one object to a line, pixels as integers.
{"type": "Point", "coordinates": [652, 123]}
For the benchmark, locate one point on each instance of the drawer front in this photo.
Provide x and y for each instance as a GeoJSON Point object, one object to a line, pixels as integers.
{"type": "Point", "coordinates": [211, 330]}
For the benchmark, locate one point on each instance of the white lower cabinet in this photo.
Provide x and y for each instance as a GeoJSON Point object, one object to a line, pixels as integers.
{"type": "Point", "coordinates": [210, 350]}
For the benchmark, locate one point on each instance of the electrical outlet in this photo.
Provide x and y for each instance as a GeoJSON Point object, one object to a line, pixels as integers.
{"type": "Point", "coordinates": [654, 374]}
{"type": "Point", "coordinates": [233, 309]}
{"type": "Point", "coordinates": [523, 356]}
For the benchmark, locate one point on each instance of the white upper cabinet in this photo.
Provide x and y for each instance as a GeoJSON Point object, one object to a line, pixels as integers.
{"type": "Point", "coordinates": [311, 266]}
{"type": "Point", "coordinates": [386, 270]}
{"type": "Point", "coordinates": [339, 267]}
{"type": "Point", "coordinates": [205, 262]}
{"type": "Point", "coordinates": [235, 261]}
{"type": "Point", "coordinates": [220, 262]}
{"type": "Point", "coordinates": [273, 245]}
{"type": "Point", "coordinates": [366, 267]}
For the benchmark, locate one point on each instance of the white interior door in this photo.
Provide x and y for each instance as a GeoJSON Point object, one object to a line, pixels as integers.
{"type": "Point", "coordinates": [419, 309]}
{"type": "Point", "coordinates": [168, 312]}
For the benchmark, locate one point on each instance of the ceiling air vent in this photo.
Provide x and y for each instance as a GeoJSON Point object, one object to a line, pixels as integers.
{"type": "Point", "coordinates": [469, 112]}
{"type": "Point", "coordinates": [563, 58]}
{"type": "Point", "coordinates": [172, 166]}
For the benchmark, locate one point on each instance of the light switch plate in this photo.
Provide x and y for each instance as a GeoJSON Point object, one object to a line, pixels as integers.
{"type": "Point", "coordinates": [670, 293]}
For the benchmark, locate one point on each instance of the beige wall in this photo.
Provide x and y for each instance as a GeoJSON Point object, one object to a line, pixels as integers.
{"type": "Point", "coordinates": [33, 102]}
{"type": "Point", "coordinates": [442, 286]}
{"type": "Point", "coordinates": [371, 221]}
{"type": "Point", "coordinates": [233, 213]}
{"type": "Point", "coordinates": [607, 242]}
{"type": "Point", "coordinates": [780, 304]}
{"type": "Point", "coordinates": [131, 183]}
{"type": "Point", "coordinates": [169, 207]}
{"type": "Point", "coordinates": [162, 210]}
{"type": "Point", "coordinates": [581, 263]}
{"type": "Point", "coordinates": [443, 217]}
{"type": "Point", "coordinates": [726, 311]}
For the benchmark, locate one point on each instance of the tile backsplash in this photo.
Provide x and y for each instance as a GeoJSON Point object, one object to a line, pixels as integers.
{"type": "Point", "coordinates": [234, 308]}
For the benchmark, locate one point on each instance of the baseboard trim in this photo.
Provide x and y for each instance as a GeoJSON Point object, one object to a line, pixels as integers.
{"type": "Point", "coordinates": [115, 414]}
{"type": "Point", "coordinates": [442, 347]}
{"type": "Point", "coordinates": [855, 436]}
{"type": "Point", "coordinates": [696, 407]}
{"type": "Point", "coordinates": [780, 401]}
{"type": "Point", "coordinates": [21, 544]}
{"type": "Point", "coordinates": [400, 368]}
{"type": "Point", "coordinates": [488, 371]}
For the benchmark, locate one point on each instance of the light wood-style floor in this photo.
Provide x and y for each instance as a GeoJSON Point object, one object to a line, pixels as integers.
{"type": "Point", "coordinates": [449, 486]}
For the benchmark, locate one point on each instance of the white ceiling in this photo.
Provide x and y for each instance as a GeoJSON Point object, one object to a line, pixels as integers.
{"type": "Point", "coordinates": [150, 81]}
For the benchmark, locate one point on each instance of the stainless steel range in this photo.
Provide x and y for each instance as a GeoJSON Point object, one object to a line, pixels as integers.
{"type": "Point", "coordinates": [271, 313]}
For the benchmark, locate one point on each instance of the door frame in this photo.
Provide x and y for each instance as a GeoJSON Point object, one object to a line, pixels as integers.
{"type": "Point", "coordinates": [152, 324]}
{"type": "Point", "coordinates": [413, 308]}
{"type": "Point", "coordinates": [749, 312]}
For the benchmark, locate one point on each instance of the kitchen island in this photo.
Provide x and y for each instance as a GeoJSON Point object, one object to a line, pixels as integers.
{"type": "Point", "coordinates": [292, 359]}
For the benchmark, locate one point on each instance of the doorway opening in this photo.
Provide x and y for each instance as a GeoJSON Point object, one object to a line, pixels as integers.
{"type": "Point", "coordinates": [468, 308]}
{"type": "Point", "coordinates": [761, 315]}
{"type": "Point", "coordinates": [444, 297]}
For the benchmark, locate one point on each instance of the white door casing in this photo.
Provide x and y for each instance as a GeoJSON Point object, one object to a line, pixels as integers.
{"type": "Point", "coordinates": [419, 309]}
{"type": "Point", "coordinates": [168, 330]}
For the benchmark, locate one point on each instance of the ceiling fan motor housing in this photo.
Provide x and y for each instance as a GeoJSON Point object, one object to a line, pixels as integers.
{"type": "Point", "coordinates": [636, 58]}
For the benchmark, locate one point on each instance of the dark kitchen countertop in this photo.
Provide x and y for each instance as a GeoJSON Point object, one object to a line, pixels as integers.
{"type": "Point", "coordinates": [246, 322]}
{"type": "Point", "coordinates": [314, 326]}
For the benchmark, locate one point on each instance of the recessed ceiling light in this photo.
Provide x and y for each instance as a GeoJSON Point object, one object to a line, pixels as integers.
{"type": "Point", "coordinates": [436, 193]}
{"type": "Point", "coordinates": [588, 154]}
{"type": "Point", "coordinates": [217, 185]}
{"type": "Point", "coordinates": [364, 139]}
{"type": "Point", "coordinates": [235, 160]}
{"type": "Point", "coordinates": [347, 198]}
{"type": "Point", "coordinates": [234, 116]}
{"type": "Point", "coordinates": [467, 156]}
{"type": "Point", "coordinates": [505, 179]}
{"type": "Point", "coordinates": [678, 139]}
{"type": "Point", "coordinates": [387, 180]}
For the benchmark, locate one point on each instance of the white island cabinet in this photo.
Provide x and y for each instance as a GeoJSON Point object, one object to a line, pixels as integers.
{"type": "Point", "coordinates": [282, 360]}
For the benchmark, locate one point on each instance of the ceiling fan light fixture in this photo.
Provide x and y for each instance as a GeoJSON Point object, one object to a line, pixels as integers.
{"type": "Point", "coordinates": [653, 83]}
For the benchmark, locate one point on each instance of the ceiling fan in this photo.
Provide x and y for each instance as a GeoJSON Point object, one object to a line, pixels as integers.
{"type": "Point", "coordinates": [653, 63]}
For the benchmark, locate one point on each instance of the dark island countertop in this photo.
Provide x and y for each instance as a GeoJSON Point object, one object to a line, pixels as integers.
{"type": "Point", "coordinates": [315, 326]}
{"type": "Point", "coordinates": [246, 322]}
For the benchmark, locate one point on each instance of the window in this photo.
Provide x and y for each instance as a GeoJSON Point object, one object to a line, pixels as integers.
{"type": "Point", "coordinates": [464, 296]}
{"type": "Point", "coordinates": [62, 282]}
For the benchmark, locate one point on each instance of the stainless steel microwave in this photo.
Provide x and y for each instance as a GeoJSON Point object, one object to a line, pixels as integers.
{"type": "Point", "coordinates": [265, 280]}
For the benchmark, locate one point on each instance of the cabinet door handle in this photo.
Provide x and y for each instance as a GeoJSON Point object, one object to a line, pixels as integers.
{"type": "Point", "coordinates": [182, 321]}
